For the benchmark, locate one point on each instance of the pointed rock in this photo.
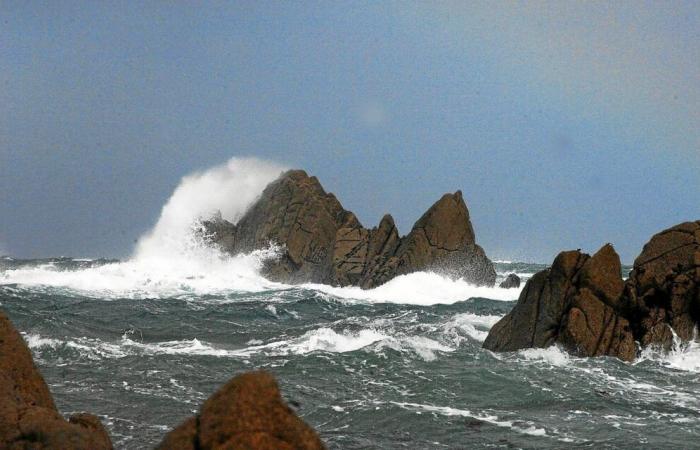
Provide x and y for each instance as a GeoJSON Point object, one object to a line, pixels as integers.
{"type": "Point", "coordinates": [569, 304]}
{"type": "Point", "coordinates": [324, 243]}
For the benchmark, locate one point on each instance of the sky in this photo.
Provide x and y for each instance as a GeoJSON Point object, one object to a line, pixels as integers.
{"type": "Point", "coordinates": [565, 124]}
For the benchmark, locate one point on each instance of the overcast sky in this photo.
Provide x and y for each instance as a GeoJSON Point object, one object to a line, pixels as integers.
{"type": "Point", "coordinates": [565, 124]}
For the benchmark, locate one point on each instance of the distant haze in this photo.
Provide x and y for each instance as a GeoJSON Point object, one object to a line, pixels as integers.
{"type": "Point", "coordinates": [565, 124]}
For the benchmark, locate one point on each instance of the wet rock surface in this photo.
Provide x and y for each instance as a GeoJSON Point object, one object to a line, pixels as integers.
{"type": "Point", "coordinates": [583, 304]}
{"type": "Point", "coordinates": [324, 243]}
{"type": "Point", "coordinates": [246, 413]}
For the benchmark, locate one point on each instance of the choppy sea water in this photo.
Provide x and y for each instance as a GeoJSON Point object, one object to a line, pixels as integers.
{"type": "Point", "coordinates": [400, 366]}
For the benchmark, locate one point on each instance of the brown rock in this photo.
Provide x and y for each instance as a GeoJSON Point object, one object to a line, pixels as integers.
{"type": "Point", "coordinates": [592, 312]}
{"type": "Point", "coordinates": [28, 416]}
{"type": "Point", "coordinates": [324, 243]}
{"type": "Point", "coordinates": [663, 289]}
{"type": "Point", "coordinates": [246, 413]}
{"type": "Point", "coordinates": [572, 304]}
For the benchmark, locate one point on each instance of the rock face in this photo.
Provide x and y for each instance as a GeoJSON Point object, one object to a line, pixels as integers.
{"type": "Point", "coordinates": [246, 413]}
{"type": "Point", "coordinates": [28, 416]}
{"type": "Point", "coordinates": [663, 290]}
{"type": "Point", "coordinates": [582, 303]}
{"type": "Point", "coordinates": [511, 281]}
{"type": "Point", "coordinates": [572, 303]}
{"type": "Point", "coordinates": [324, 243]}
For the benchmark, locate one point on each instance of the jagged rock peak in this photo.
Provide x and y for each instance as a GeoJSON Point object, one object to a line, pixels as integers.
{"type": "Point", "coordinates": [325, 243]}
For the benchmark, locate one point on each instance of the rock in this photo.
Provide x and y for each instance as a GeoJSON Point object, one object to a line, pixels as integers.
{"type": "Point", "coordinates": [573, 304]}
{"type": "Point", "coordinates": [663, 290]}
{"type": "Point", "coordinates": [583, 304]}
{"type": "Point", "coordinates": [246, 413]}
{"type": "Point", "coordinates": [324, 243]}
{"type": "Point", "coordinates": [28, 415]}
{"type": "Point", "coordinates": [510, 282]}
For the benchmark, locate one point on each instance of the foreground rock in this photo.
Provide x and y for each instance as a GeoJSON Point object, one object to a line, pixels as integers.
{"type": "Point", "coordinates": [28, 416]}
{"type": "Point", "coordinates": [510, 282]}
{"type": "Point", "coordinates": [582, 303]}
{"type": "Point", "coordinates": [324, 243]}
{"type": "Point", "coordinates": [246, 413]}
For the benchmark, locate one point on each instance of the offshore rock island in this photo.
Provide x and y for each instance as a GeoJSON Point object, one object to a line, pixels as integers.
{"type": "Point", "coordinates": [324, 243]}
{"type": "Point", "coordinates": [583, 304]}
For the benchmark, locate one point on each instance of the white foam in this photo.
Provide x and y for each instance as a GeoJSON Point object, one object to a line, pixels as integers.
{"type": "Point", "coordinates": [178, 347]}
{"type": "Point", "coordinates": [476, 326]}
{"type": "Point", "coordinates": [321, 339]}
{"type": "Point", "coordinates": [524, 428]}
{"type": "Point", "coordinates": [174, 258]}
{"type": "Point", "coordinates": [95, 348]}
{"type": "Point", "coordinates": [419, 288]}
{"type": "Point", "coordinates": [683, 356]}
{"type": "Point", "coordinates": [552, 355]}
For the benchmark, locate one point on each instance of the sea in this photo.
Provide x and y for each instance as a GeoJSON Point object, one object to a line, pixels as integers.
{"type": "Point", "coordinates": [141, 342]}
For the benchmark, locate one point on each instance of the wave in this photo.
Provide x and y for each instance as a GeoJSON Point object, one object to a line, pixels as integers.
{"type": "Point", "coordinates": [419, 288]}
{"type": "Point", "coordinates": [683, 356]}
{"type": "Point", "coordinates": [174, 259]}
{"type": "Point", "coordinates": [523, 427]}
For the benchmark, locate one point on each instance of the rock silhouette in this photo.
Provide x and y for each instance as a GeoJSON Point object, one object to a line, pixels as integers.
{"type": "Point", "coordinates": [28, 416]}
{"type": "Point", "coordinates": [324, 243]}
{"type": "Point", "coordinates": [246, 413]}
{"type": "Point", "coordinates": [510, 282]}
{"type": "Point", "coordinates": [582, 303]}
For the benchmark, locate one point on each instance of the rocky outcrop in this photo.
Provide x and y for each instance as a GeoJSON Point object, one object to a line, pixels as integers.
{"type": "Point", "coordinates": [510, 282]}
{"type": "Point", "coordinates": [582, 303]}
{"type": "Point", "coordinates": [246, 413]}
{"type": "Point", "coordinates": [663, 290]}
{"type": "Point", "coordinates": [324, 243]}
{"type": "Point", "coordinates": [572, 304]}
{"type": "Point", "coordinates": [28, 415]}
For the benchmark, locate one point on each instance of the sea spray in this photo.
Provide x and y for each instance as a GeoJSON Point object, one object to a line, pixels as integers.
{"type": "Point", "coordinates": [228, 189]}
{"type": "Point", "coordinates": [173, 259]}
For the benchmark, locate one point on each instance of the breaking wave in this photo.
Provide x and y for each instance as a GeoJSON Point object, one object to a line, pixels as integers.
{"type": "Point", "coordinates": [174, 260]}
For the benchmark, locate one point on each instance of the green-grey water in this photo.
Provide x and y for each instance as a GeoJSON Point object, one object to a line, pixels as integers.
{"type": "Point", "coordinates": [397, 368]}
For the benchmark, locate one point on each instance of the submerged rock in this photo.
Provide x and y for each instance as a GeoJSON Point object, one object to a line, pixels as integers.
{"type": "Point", "coordinates": [324, 243]}
{"type": "Point", "coordinates": [510, 282]}
{"type": "Point", "coordinates": [582, 303]}
{"type": "Point", "coordinates": [246, 413]}
{"type": "Point", "coordinates": [28, 416]}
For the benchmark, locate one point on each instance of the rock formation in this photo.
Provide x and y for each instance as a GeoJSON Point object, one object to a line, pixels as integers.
{"type": "Point", "coordinates": [663, 290]}
{"type": "Point", "coordinates": [246, 413]}
{"type": "Point", "coordinates": [324, 243]}
{"type": "Point", "coordinates": [582, 303]}
{"type": "Point", "coordinates": [510, 282]}
{"type": "Point", "coordinates": [28, 416]}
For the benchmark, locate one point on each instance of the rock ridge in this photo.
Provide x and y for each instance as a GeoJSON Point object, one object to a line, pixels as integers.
{"type": "Point", "coordinates": [324, 243]}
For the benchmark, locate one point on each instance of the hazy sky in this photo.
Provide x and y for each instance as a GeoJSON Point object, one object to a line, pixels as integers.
{"type": "Point", "coordinates": [566, 124]}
